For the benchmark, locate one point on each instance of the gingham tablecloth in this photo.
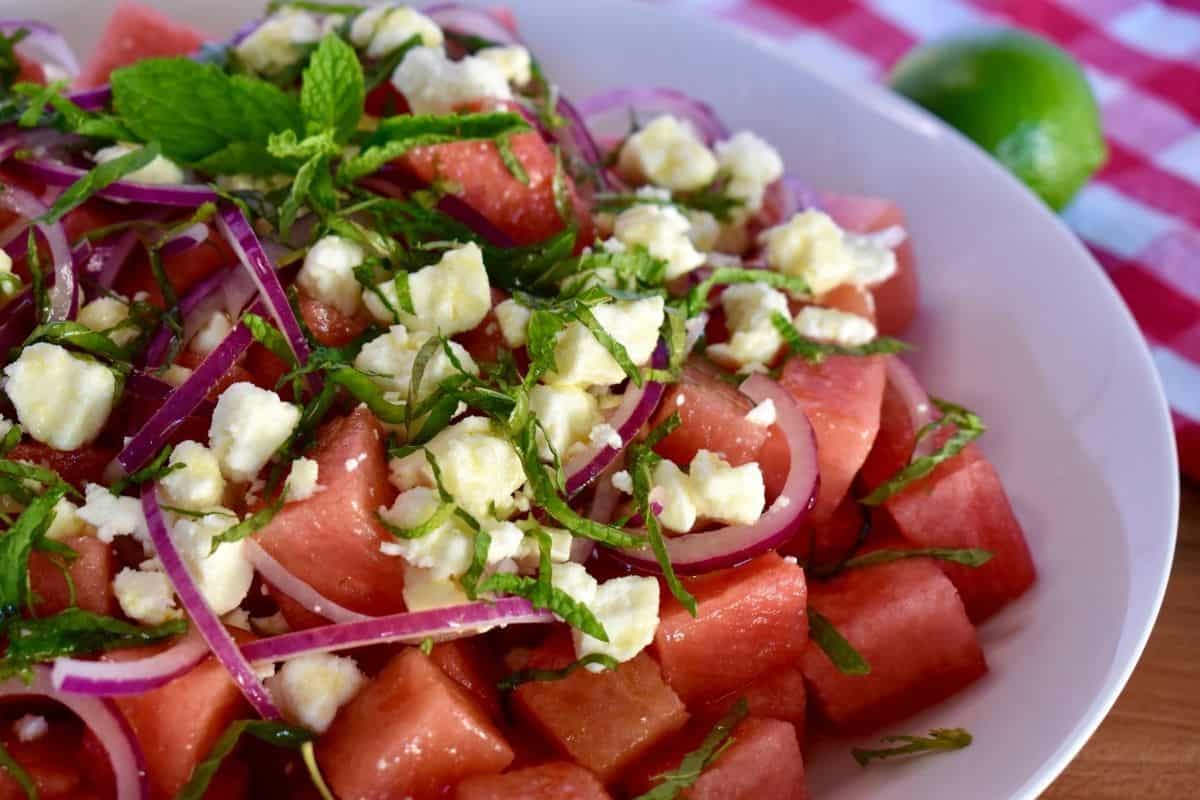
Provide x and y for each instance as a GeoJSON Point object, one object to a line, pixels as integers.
{"type": "Point", "coordinates": [1141, 214]}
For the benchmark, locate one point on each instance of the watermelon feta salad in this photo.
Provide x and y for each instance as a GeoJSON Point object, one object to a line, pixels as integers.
{"type": "Point", "coordinates": [375, 428]}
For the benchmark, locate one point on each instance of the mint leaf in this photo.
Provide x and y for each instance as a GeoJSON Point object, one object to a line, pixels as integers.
{"type": "Point", "coordinates": [542, 594]}
{"type": "Point", "coordinates": [291, 737]}
{"type": "Point", "coordinates": [202, 116]}
{"type": "Point", "coordinates": [16, 771]}
{"type": "Point", "coordinates": [695, 762]}
{"type": "Point", "coordinates": [76, 632]}
{"type": "Point", "coordinates": [156, 470]}
{"type": "Point", "coordinates": [251, 524]}
{"type": "Point", "coordinates": [395, 136]}
{"type": "Point", "coordinates": [10, 68]}
{"type": "Point", "coordinates": [80, 337]}
{"type": "Point", "coordinates": [17, 545]}
{"type": "Point", "coordinates": [98, 178]}
{"type": "Point", "coordinates": [843, 655]}
{"type": "Point", "coordinates": [528, 675]}
{"type": "Point", "coordinates": [333, 91]}
{"type": "Point", "coordinates": [968, 557]}
{"type": "Point", "coordinates": [815, 352]}
{"type": "Point", "coordinates": [938, 740]}
{"type": "Point", "coordinates": [697, 299]}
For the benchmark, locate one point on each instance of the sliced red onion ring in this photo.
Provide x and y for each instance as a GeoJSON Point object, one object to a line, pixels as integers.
{"type": "Point", "coordinates": [184, 195]}
{"type": "Point", "coordinates": [44, 44]}
{"type": "Point", "coordinates": [150, 387]}
{"type": "Point", "coordinates": [185, 240]}
{"type": "Point", "coordinates": [278, 576]}
{"type": "Point", "coordinates": [16, 320]}
{"type": "Point", "coordinates": [471, 21]}
{"type": "Point", "coordinates": [577, 140]}
{"type": "Point", "coordinates": [695, 553]}
{"type": "Point", "coordinates": [921, 412]}
{"type": "Point", "coordinates": [637, 406]}
{"type": "Point", "coordinates": [237, 231]}
{"type": "Point", "coordinates": [658, 99]}
{"type": "Point", "coordinates": [454, 206]}
{"type": "Point", "coordinates": [113, 678]}
{"type": "Point", "coordinates": [439, 624]}
{"type": "Point", "coordinates": [92, 99]}
{"type": "Point", "coordinates": [103, 719]}
{"type": "Point", "coordinates": [204, 620]}
{"type": "Point", "coordinates": [209, 289]}
{"type": "Point", "coordinates": [103, 261]}
{"type": "Point", "coordinates": [64, 294]}
{"type": "Point", "coordinates": [184, 401]}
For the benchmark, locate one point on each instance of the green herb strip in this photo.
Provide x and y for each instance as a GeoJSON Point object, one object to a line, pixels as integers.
{"type": "Point", "coordinates": [939, 740]}
{"type": "Point", "coordinates": [529, 675]}
{"type": "Point", "coordinates": [843, 655]}
{"type": "Point", "coordinates": [695, 762]}
{"type": "Point", "coordinates": [276, 733]}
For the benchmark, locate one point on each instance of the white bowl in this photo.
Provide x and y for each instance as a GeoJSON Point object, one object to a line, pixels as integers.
{"type": "Point", "coordinates": [1018, 322]}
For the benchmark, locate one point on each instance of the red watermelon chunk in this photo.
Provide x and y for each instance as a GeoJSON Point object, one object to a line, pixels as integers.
{"type": "Point", "coordinates": [712, 416]}
{"type": "Point", "coordinates": [184, 269]}
{"type": "Point", "coordinates": [91, 574]}
{"type": "Point", "coordinates": [603, 721]}
{"type": "Point", "coordinates": [841, 397]}
{"type": "Point", "coordinates": [894, 443]}
{"type": "Point", "coordinates": [52, 761]}
{"type": "Point", "coordinates": [763, 762]}
{"type": "Point", "coordinates": [896, 299]}
{"type": "Point", "coordinates": [329, 326]}
{"type": "Point", "coordinates": [76, 467]}
{"type": "Point", "coordinates": [750, 620]}
{"type": "Point", "coordinates": [178, 724]}
{"type": "Point", "coordinates": [472, 667]}
{"type": "Point", "coordinates": [907, 621]}
{"type": "Point", "coordinates": [135, 32]}
{"type": "Point", "coordinates": [331, 540]}
{"type": "Point", "coordinates": [559, 780]}
{"type": "Point", "coordinates": [829, 541]}
{"type": "Point", "coordinates": [779, 694]}
{"type": "Point", "coordinates": [411, 733]}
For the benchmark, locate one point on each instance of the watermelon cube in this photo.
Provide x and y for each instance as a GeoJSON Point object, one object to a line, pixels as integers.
{"type": "Point", "coordinates": [842, 397]}
{"type": "Point", "coordinates": [779, 694]}
{"type": "Point", "coordinates": [602, 721]}
{"type": "Point", "coordinates": [331, 540]}
{"type": "Point", "coordinates": [906, 619]}
{"type": "Point", "coordinates": [751, 620]}
{"type": "Point", "coordinates": [559, 780]}
{"type": "Point", "coordinates": [91, 574]}
{"type": "Point", "coordinates": [472, 667]}
{"type": "Point", "coordinates": [135, 32]}
{"type": "Point", "coordinates": [411, 733]}
{"type": "Point", "coordinates": [52, 761]}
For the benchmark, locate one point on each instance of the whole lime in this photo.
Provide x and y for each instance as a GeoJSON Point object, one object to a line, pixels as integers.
{"type": "Point", "coordinates": [1020, 97]}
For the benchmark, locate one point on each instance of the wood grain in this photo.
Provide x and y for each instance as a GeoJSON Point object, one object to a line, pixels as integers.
{"type": "Point", "coordinates": [1149, 746]}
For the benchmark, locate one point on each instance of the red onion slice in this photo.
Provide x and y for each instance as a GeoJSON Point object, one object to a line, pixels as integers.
{"type": "Point", "coordinates": [471, 21]}
{"type": "Point", "coordinates": [227, 290]}
{"type": "Point", "coordinates": [64, 294]}
{"type": "Point", "coordinates": [16, 320]}
{"type": "Point", "coordinates": [185, 240]}
{"type": "Point", "coordinates": [439, 624]}
{"type": "Point", "coordinates": [92, 99]}
{"type": "Point", "coordinates": [113, 678]}
{"type": "Point", "coordinates": [204, 620]}
{"type": "Point", "coordinates": [658, 99]}
{"type": "Point", "coordinates": [44, 44]}
{"type": "Point", "coordinates": [695, 553]}
{"type": "Point", "coordinates": [182, 195]}
{"type": "Point", "coordinates": [103, 719]}
{"type": "Point", "coordinates": [920, 410]}
{"type": "Point", "coordinates": [281, 579]}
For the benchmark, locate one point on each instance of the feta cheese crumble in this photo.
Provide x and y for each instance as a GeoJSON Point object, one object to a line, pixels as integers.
{"type": "Point", "coordinates": [667, 152]}
{"type": "Point", "coordinates": [581, 360]}
{"type": "Point", "coordinates": [211, 333]}
{"type": "Point", "coordinates": [753, 338]}
{"type": "Point", "coordinates": [712, 489]}
{"type": "Point", "coordinates": [161, 171]}
{"type": "Point", "coordinates": [248, 426]}
{"type": "Point", "coordinates": [448, 297]}
{"type": "Point", "coordinates": [104, 314]}
{"type": "Point", "coordinates": [514, 322]}
{"type": "Point", "coordinates": [628, 609]}
{"type": "Point", "coordinates": [328, 273]}
{"type": "Point", "coordinates": [310, 689]}
{"type": "Point", "coordinates": [61, 399]}
{"type": "Point", "coordinates": [812, 246]}
{"type": "Point", "coordinates": [663, 231]}
{"type": "Point", "coordinates": [223, 575]}
{"type": "Point", "coordinates": [383, 28]}
{"type": "Point", "coordinates": [66, 521]}
{"type": "Point", "coordinates": [113, 516]}
{"type": "Point", "coordinates": [145, 596]}
{"type": "Point", "coordinates": [751, 164]}
{"type": "Point", "coordinates": [278, 42]}
{"type": "Point", "coordinates": [198, 485]}
{"type": "Point", "coordinates": [566, 414]}
{"type": "Point", "coordinates": [763, 414]}
{"type": "Point", "coordinates": [302, 480]}
{"type": "Point", "coordinates": [433, 84]}
{"type": "Point", "coordinates": [832, 325]}
{"type": "Point", "coordinates": [512, 60]}
{"type": "Point", "coordinates": [389, 360]}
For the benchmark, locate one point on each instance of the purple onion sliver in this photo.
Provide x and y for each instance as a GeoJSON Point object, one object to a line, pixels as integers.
{"type": "Point", "coordinates": [43, 42]}
{"type": "Point", "coordinates": [471, 21]}
{"type": "Point", "coordinates": [156, 351]}
{"type": "Point", "coordinates": [113, 678]}
{"type": "Point", "coordinates": [92, 99]}
{"type": "Point", "coordinates": [185, 240]}
{"type": "Point", "coordinates": [662, 99]}
{"type": "Point", "coordinates": [457, 208]}
{"type": "Point", "coordinates": [64, 293]}
{"type": "Point", "coordinates": [180, 195]}
{"type": "Point", "coordinates": [580, 140]}
{"type": "Point", "coordinates": [16, 321]}
{"type": "Point", "coordinates": [205, 621]}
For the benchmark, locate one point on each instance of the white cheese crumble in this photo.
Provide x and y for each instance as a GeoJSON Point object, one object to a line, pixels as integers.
{"type": "Point", "coordinates": [248, 426]}
{"type": "Point", "coordinates": [446, 551]}
{"type": "Point", "coordinates": [310, 689]}
{"type": "Point", "coordinates": [663, 231]}
{"type": "Point", "coordinates": [278, 42]}
{"type": "Point", "coordinates": [566, 414]}
{"type": "Point", "coordinates": [833, 325]}
{"type": "Point", "coordinates": [512, 60]}
{"type": "Point", "coordinates": [667, 152]}
{"type": "Point", "coordinates": [423, 590]}
{"type": "Point", "coordinates": [763, 414]}
{"type": "Point", "coordinates": [514, 322]}
{"type": "Point", "coordinates": [605, 435]}
{"type": "Point", "coordinates": [302, 480]}
{"type": "Point", "coordinates": [223, 575]}
{"type": "Point", "coordinates": [389, 360]}
{"type": "Point", "coordinates": [145, 596]}
{"type": "Point", "coordinates": [66, 521]}
{"type": "Point", "coordinates": [105, 313]}
{"type": "Point", "coordinates": [448, 297]}
{"type": "Point", "coordinates": [328, 273]}
{"type": "Point", "coordinates": [30, 727]}
{"type": "Point", "coordinates": [811, 246]}
{"type": "Point", "coordinates": [198, 485]}
{"type": "Point", "coordinates": [113, 516]}
{"type": "Point", "coordinates": [622, 481]}
{"type": "Point", "coordinates": [383, 28]}
{"type": "Point", "coordinates": [712, 489]}
{"type": "Point", "coordinates": [161, 171]}
{"type": "Point", "coordinates": [751, 164]}
{"type": "Point", "coordinates": [628, 609]}
{"type": "Point", "coordinates": [581, 360]}
{"type": "Point", "coordinates": [61, 399]}
{"type": "Point", "coordinates": [753, 338]}
{"type": "Point", "coordinates": [211, 333]}
{"type": "Point", "coordinates": [433, 84]}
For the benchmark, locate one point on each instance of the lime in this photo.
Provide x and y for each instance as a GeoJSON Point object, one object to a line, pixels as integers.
{"type": "Point", "coordinates": [1020, 97]}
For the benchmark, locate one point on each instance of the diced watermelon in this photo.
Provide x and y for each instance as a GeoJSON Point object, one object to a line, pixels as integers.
{"type": "Point", "coordinates": [91, 575]}
{"type": "Point", "coordinates": [712, 416]}
{"type": "Point", "coordinates": [331, 540]}
{"type": "Point", "coordinates": [76, 467]}
{"type": "Point", "coordinates": [472, 667]}
{"type": "Point", "coordinates": [29, 71]}
{"type": "Point", "coordinates": [763, 762]}
{"type": "Point", "coordinates": [560, 781]}
{"type": "Point", "coordinates": [51, 760]}
{"type": "Point", "coordinates": [826, 543]}
{"type": "Point", "coordinates": [779, 694]}
{"type": "Point", "coordinates": [750, 620]}
{"type": "Point", "coordinates": [841, 397]}
{"type": "Point", "coordinates": [329, 326]}
{"type": "Point", "coordinates": [894, 443]}
{"type": "Point", "coordinates": [135, 32]}
{"type": "Point", "coordinates": [896, 299]}
{"type": "Point", "coordinates": [178, 724]}
{"type": "Point", "coordinates": [236, 374]}
{"type": "Point", "coordinates": [907, 621]}
{"type": "Point", "coordinates": [962, 504]}
{"type": "Point", "coordinates": [184, 269]}
{"type": "Point", "coordinates": [409, 734]}
{"type": "Point", "coordinates": [526, 212]}
{"type": "Point", "coordinates": [484, 342]}
{"type": "Point", "coordinates": [603, 721]}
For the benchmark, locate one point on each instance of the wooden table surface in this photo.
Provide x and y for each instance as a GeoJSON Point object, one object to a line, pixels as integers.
{"type": "Point", "coordinates": [1149, 746]}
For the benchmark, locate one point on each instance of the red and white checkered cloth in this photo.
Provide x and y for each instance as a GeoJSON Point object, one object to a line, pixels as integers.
{"type": "Point", "coordinates": [1141, 215]}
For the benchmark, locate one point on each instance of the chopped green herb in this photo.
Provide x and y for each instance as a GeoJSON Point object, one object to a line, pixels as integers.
{"type": "Point", "coordinates": [843, 655]}
{"type": "Point", "coordinates": [276, 733]}
{"type": "Point", "coordinates": [98, 178]}
{"type": "Point", "coordinates": [695, 762]}
{"type": "Point", "coordinates": [16, 547]}
{"type": "Point", "coordinates": [332, 94]}
{"type": "Point", "coordinates": [251, 524]}
{"type": "Point", "coordinates": [698, 296]}
{"type": "Point", "coordinates": [76, 336]}
{"type": "Point", "coordinates": [74, 632]}
{"type": "Point", "coordinates": [968, 557]}
{"type": "Point", "coordinates": [10, 439]}
{"type": "Point", "coordinates": [16, 771]}
{"type": "Point", "coordinates": [37, 277]}
{"type": "Point", "coordinates": [266, 334]}
{"type": "Point", "coordinates": [542, 594]}
{"type": "Point", "coordinates": [527, 675]}
{"type": "Point", "coordinates": [155, 471]}
{"type": "Point", "coordinates": [938, 740]}
{"type": "Point", "coordinates": [426, 645]}
{"type": "Point", "coordinates": [10, 67]}
{"type": "Point", "coordinates": [511, 162]}
{"type": "Point", "coordinates": [815, 352]}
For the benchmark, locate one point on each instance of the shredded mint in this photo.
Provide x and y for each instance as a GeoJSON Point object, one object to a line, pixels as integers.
{"type": "Point", "coordinates": [968, 557]}
{"type": "Point", "coordinates": [710, 199]}
{"type": "Point", "coordinates": [98, 178]}
{"type": "Point", "coordinates": [76, 336]}
{"type": "Point", "coordinates": [10, 67]}
{"type": "Point", "coordinates": [843, 655]}
{"type": "Point", "coordinates": [10, 439]}
{"type": "Point", "coordinates": [37, 277]}
{"type": "Point", "coordinates": [155, 471]}
{"type": "Point", "coordinates": [251, 524]}
{"type": "Point", "coordinates": [383, 69]}
{"type": "Point", "coordinates": [16, 547]}
{"type": "Point", "coordinates": [10, 764]}
{"type": "Point", "coordinates": [74, 632]}
{"type": "Point", "coordinates": [529, 675]}
{"type": "Point", "coordinates": [968, 427]}
{"type": "Point", "coordinates": [288, 736]}
{"type": "Point", "coordinates": [511, 162]}
{"type": "Point", "coordinates": [542, 594]}
{"type": "Point", "coordinates": [722, 276]}
{"type": "Point", "coordinates": [695, 762]}
{"type": "Point", "coordinates": [939, 740]}
{"type": "Point", "coordinates": [815, 352]}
